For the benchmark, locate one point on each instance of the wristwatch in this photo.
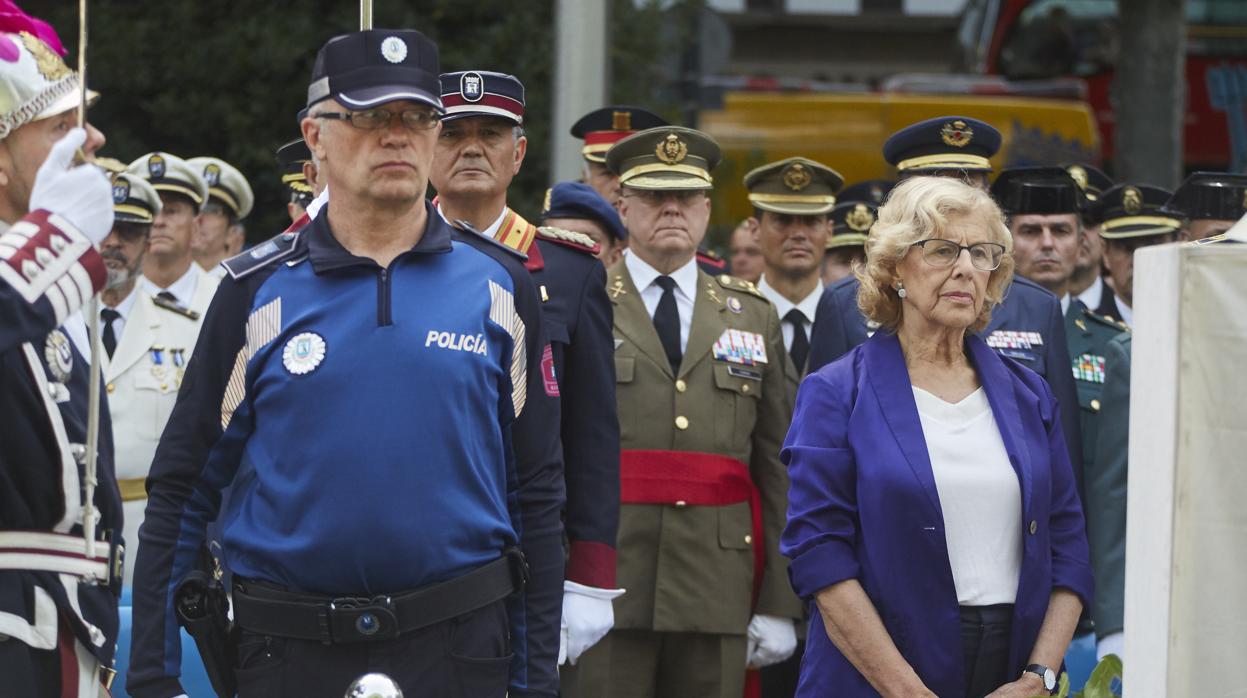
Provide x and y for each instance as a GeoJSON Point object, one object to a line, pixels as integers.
{"type": "Point", "coordinates": [1043, 672]}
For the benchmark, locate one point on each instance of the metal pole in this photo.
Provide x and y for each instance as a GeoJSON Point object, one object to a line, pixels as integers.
{"type": "Point", "coordinates": [580, 77]}
{"type": "Point", "coordinates": [365, 15]}
{"type": "Point", "coordinates": [93, 331]}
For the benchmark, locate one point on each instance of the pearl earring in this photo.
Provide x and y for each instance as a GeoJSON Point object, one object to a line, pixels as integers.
{"type": "Point", "coordinates": [900, 290]}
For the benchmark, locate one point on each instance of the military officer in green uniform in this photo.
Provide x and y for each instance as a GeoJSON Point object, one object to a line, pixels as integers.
{"type": "Point", "coordinates": [704, 405]}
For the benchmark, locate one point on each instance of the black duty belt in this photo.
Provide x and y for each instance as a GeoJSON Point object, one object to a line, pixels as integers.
{"type": "Point", "coordinates": [269, 610]}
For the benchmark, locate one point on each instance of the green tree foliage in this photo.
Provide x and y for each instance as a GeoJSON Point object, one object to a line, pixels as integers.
{"type": "Point", "coordinates": [226, 78]}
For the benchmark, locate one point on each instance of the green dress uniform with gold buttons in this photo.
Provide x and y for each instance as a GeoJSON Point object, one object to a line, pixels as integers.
{"type": "Point", "coordinates": [704, 495]}
{"type": "Point", "coordinates": [1087, 335]}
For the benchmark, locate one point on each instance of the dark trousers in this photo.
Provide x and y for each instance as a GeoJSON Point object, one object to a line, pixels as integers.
{"type": "Point", "coordinates": [780, 680]}
{"type": "Point", "coordinates": [464, 657]}
{"type": "Point", "coordinates": [28, 671]}
{"type": "Point", "coordinates": [985, 643]}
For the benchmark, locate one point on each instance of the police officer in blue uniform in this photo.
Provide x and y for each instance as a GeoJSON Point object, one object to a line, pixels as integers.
{"type": "Point", "coordinates": [1028, 326]}
{"type": "Point", "coordinates": [58, 596]}
{"type": "Point", "coordinates": [481, 149]}
{"type": "Point", "coordinates": [372, 386]}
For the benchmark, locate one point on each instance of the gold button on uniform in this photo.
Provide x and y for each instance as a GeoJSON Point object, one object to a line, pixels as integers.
{"type": "Point", "coordinates": [111, 388]}
{"type": "Point", "coordinates": [748, 539]}
{"type": "Point", "coordinates": [681, 422]}
{"type": "Point", "coordinates": [1095, 405]}
{"type": "Point", "coordinates": [680, 386]}
{"type": "Point", "coordinates": [744, 388]}
{"type": "Point", "coordinates": [1034, 527]}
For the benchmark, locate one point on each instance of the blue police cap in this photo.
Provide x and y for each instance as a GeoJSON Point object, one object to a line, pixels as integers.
{"type": "Point", "coordinates": [482, 93]}
{"type": "Point", "coordinates": [1040, 190]}
{"type": "Point", "coordinates": [369, 68]}
{"type": "Point", "coordinates": [579, 200]}
{"type": "Point", "coordinates": [943, 143]}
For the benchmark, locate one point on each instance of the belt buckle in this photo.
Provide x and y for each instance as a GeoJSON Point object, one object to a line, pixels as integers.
{"type": "Point", "coordinates": [362, 619]}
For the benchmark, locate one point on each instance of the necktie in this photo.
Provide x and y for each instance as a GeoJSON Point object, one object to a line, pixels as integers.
{"type": "Point", "coordinates": [667, 322]}
{"type": "Point", "coordinates": [800, 343]}
{"type": "Point", "coordinates": [109, 336]}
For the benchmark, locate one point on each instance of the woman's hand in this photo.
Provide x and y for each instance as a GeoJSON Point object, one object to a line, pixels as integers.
{"type": "Point", "coordinates": [1029, 686]}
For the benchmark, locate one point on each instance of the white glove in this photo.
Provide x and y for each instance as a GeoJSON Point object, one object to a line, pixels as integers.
{"type": "Point", "coordinates": [82, 194]}
{"type": "Point", "coordinates": [587, 617]}
{"type": "Point", "coordinates": [1111, 644]}
{"type": "Point", "coordinates": [313, 209]}
{"type": "Point", "coordinates": [771, 640]}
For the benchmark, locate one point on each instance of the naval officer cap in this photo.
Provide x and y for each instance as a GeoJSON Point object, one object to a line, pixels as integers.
{"type": "Point", "coordinates": [1038, 190]}
{"type": "Point", "coordinates": [943, 143]}
{"type": "Point", "coordinates": [170, 173]}
{"type": "Point", "coordinates": [134, 200]}
{"type": "Point", "coordinates": [602, 128]}
{"type": "Point", "coordinates": [1134, 210]}
{"type": "Point", "coordinates": [366, 69]}
{"type": "Point", "coordinates": [796, 186]}
{"type": "Point", "coordinates": [226, 185]}
{"type": "Point", "coordinates": [1217, 196]}
{"type": "Point", "coordinates": [665, 158]}
{"type": "Point", "coordinates": [850, 223]}
{"type": "Point", "coordinates": [579, 200]}
{"type": "Point", "coordinates": [482, 93]}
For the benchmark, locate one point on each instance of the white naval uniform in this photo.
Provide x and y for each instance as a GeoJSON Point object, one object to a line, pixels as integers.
{"type": "Point", "coordinates": [142, 380]}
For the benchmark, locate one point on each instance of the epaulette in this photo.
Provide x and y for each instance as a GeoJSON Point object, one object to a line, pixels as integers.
{"type": "Point", "coordinates": [731, 282]}
{"type": "Point", "coordinates": [1104, 320]}
{"type": "Point", "coordinates": [466, 227]}
{"type": "Point", "coordinates": [175, 307]}
{"type": "Point", "coordinates": [515, 232]}
{"type": "Point", "coordinates": [569, 238]}
{"type": "Point", "coordinates": [262, 255]}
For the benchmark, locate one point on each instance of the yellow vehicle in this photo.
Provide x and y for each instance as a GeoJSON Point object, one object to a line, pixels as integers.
{"type": "Point", "coordinates": [846, 131]}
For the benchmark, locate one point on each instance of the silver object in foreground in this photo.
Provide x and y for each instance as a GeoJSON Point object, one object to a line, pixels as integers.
{"type": "Point", "coordinates": [374, 686]}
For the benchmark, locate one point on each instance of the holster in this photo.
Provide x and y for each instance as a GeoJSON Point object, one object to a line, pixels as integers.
{"type": "Point", "coordinates": [203, 609]}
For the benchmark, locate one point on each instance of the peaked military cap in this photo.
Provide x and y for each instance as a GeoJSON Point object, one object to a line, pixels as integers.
{"type": "Point", "coordinates": [667, 157]}
{"type": "Point", "coordinates": [602, 128]}
{"type": "Point", "coordinates": [111, 166]}
{"type": "Point", "coordinates": [943, 143]}
{"type": "Point", "coordinates": [482, 93]}
{"type": "Point", "coordinates": [226, 185]}
{"type": "Point", "coordinates": [851, 222]}
{"type": "Point", "coordinates": [290, 157]}
{"type": "Point", "coordinates": [579, 200]}
{"type": "Point", "coordinates": [35, 83]}
{"type": "Point", "coordinates": [1134, 210]}
{"type": "Point", "coordinates": [871, 191]}
{"type": "Point", "coordinates": [134, 200]}
{"type": "Point", "coordinates": [796, 186]}
{"type": "Point", "coordinates": [1210, 195]}
{"type": "Point", "coordinates": [366, 69]}
{"type": "Point", "coordinates": [1043, 190]}
{"type": "Point", "coordinates": [171, 173]}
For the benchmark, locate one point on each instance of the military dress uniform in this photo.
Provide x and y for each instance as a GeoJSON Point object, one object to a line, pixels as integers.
{"type": "Point", "coordinates": [576, 316]}
{"type": "Point", "coordinates": [945, 146]}
{"type": "Point", "coordinates": [229, 190]}
{"type": "Point", "coordinates": [144, 373]}
{"type": "Point", "coordinates": [58, 600]}
{"type": "Point", "coordinates": [1093, 182]}
{"type": "Point", "coordinates": [290, 159]}
{"type": "Point", "coordinates": [703, 492]}
{"type": "Point", "coordinates": [1130, 212]}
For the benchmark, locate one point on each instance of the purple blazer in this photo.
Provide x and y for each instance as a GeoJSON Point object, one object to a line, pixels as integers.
{"type": "Point", "coordinates": [863, 505]}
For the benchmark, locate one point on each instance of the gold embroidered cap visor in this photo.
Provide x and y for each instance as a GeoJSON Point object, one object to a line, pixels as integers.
{"type": "Point", "coordinates": [1139, 226]}
{"type": "Point", "coordinates": [846, 240]}
{"type": "Point", "coordinates": [665, 158]}
{"type": "Point", "coordinates": [796, 186]}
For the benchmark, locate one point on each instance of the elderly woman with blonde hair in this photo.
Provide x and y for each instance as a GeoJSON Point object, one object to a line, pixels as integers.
{"type": "Point", "coordinates": [933, 517]}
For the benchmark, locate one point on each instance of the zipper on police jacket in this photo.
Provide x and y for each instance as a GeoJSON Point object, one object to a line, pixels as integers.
{"type": "Point", "coordinates": [383, 299]}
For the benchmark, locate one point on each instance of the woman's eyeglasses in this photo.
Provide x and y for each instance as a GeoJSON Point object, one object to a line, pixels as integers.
{"type": "Point", "coordinates": [985, 256]}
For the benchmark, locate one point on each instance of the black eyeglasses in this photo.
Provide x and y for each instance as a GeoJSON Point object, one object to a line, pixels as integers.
{"type": "Point", "coordinates": [373, 119]}
{"type": "Point", "coordinates": [985, 256]}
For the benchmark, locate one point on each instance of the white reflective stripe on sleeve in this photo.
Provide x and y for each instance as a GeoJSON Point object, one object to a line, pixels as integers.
{"type": "Point", "coordinates": [502, 313]}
